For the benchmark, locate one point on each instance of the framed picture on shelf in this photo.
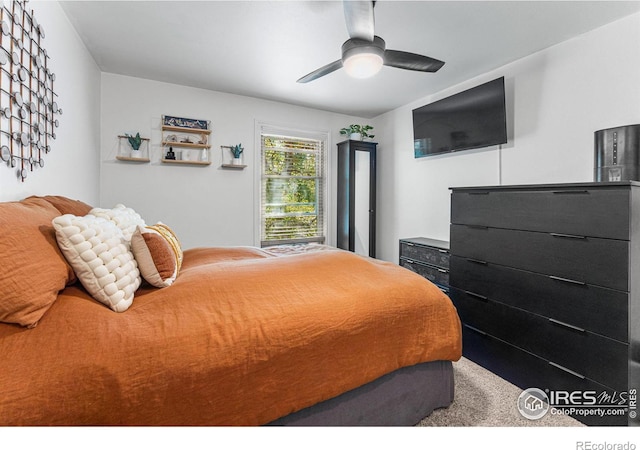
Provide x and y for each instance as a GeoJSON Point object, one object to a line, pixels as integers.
{"type": "Point", "coordinates": [183, 122]}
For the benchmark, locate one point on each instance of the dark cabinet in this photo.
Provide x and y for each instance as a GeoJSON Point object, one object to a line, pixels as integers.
{"type": "Point", "coordinates": [428, 258]}
{"type": "Point", "coordinates": [545, 280]}
{"type": "Point", "coordinates": [356, 215]}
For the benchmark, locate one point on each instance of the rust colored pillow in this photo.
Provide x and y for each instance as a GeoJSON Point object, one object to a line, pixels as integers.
{"type": "Point", "coordinates": [158, 254]}
{"type": "Point", "coordinates": [33, 268]}
{"type": "Point", "coordinates": [67, 206]}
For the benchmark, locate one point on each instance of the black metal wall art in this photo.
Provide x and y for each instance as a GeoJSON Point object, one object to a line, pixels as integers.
{"type": "Point", "coordinates": [28, 103]}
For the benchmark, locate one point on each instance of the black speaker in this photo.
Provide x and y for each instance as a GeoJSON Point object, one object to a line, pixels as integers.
{"type": "Point", "coordinates": [617, 154]}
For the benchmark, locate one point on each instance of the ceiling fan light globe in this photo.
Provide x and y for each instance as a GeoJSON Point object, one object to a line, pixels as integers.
{"type": "Point", "coordinates": [362, 58]}
{"type": "Point", "coordinates": [363, 65]}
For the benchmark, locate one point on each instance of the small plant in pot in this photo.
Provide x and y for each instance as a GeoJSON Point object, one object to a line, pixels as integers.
{"type": "Point", "coordinates": [357, 132]}
{"type": "Point", "coordinates": [134, 141]}
{"type": "Point", "coordinates": [237, 150]}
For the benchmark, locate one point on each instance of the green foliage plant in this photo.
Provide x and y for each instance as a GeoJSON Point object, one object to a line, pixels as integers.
{"type": "Point", "coordinates": [237, 150]}
{"type": "Point", "coordinates": [362, 129]}
{"type": "Point", "coordinates": [135, 141]}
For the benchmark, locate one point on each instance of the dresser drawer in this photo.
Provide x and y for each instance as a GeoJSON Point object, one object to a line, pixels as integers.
{"type": "Point", "coordinates": [529, 371]}
{"type": "Point", "coordinates": [588, 212]}
{"type": "Point", "coordinates": [599, 262]}
{"type": "Point", "coordinates": [436, 275]}
{"type": "Point", "coordinates": [430, 255]}
{"type": "Point", "coordinates": [581, 305]}
{"type": "Point", "coordinates": [604, 362]}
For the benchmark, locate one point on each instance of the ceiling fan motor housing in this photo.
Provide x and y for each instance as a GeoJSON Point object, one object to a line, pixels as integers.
{"type": "Point", "coordinates": [362, 58]}
{"type": "Point", "coordinates": [357, 46]}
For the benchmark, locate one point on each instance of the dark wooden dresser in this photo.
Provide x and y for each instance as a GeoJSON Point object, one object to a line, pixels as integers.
{"type": "Point", "coordinates": [546, 280]}
{"type": "Point", "coordinates": [427, 257]}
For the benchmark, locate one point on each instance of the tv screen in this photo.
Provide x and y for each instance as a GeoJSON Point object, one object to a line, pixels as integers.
{"type": "Point", "coordinates": [473, 118]}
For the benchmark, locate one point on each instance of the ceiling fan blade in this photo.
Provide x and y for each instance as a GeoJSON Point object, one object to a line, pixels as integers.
{"type": "Point", "coordinates": [322, 71]}
{"type": "Point", "coordinates": [359, 18]}
{"type": "Point", "coordinates": [411, 61]}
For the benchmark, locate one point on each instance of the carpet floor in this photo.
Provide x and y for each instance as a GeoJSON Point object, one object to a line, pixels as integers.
{"type": "Point", "coordinates": [483, 399]}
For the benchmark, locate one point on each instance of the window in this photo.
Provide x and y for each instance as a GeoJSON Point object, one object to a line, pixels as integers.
{"type": "Point", "coordinates": [292, 206]}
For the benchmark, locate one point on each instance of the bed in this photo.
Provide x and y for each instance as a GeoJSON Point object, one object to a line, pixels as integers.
{"type": "Point", "coordinates": [243, 336]}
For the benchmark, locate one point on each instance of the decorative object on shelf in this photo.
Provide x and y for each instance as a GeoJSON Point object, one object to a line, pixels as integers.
{"type": "Point", "coordinates": [133, 148]}
{"type": "Point", "coordinates": [182, 122]}
{"type": "Point", "coordinates": [236, 153]}
{"type": "Point", "coordinates": [135, 141]}
{"type": "Point", "coordinates": [191, 149]}
{"type": "Point", "coordinates": [237, 150]}
{"type": "Point", "coordinates": [357, 132]}
{"type": "Point", "coordinates": [616, 153]}
{"type": "Point", "coordinates": [29, 104]}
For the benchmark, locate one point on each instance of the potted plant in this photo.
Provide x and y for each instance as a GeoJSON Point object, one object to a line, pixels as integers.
{"type": "Point", "coordinates": [357, 132]}
{"type": "Point", "coordinates": [237, 151]}
{"type": "Point", "coordinates": [135, 142]}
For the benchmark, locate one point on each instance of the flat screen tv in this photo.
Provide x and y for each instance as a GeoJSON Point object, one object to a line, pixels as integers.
{"type": "Point", "coordinates": [473, 118]}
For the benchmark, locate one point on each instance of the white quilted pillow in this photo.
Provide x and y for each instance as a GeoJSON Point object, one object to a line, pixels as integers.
{"type": "Point", "coordinates": [101, 258]}
{"type": "Point", "coordinates": [125, 218]}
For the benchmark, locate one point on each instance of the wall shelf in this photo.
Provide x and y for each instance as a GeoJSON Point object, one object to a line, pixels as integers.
{"type": "Point", "coordinates": [191, 163]}
{"type": "Point", "coordinates": [234, 166]}
{"type": "Point", "coordinates": [131, 159]}
{"type": "Point", "coordinates": [229, 164]}
{"type": "Point", "coordinates": [127, 137]}
{"type": "Point", "coordinates": [186, 151]}
{"type": "Point", "coordinates": [185, 130]}
{"type": "Point", "coordinates": [125, 150]}
{"type": "Point", "coordinates": [185, 144]}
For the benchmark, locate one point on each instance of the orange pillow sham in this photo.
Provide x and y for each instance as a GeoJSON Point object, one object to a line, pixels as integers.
{"type": "Point", "coordinates": [33, 268]}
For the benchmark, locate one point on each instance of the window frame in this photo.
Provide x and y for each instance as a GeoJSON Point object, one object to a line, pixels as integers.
{"type": "Point", "coordinates": [297, 132]}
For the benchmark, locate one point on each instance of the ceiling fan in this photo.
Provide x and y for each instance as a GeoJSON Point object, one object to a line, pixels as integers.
{"type": "Point", "coordinates": [364, 53]}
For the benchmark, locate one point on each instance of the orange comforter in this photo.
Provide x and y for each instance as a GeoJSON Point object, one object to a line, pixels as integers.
{"type": "Point", "coordinates": [242, 337]}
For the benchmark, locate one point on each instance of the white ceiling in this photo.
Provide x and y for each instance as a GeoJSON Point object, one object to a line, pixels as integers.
{"type": "Point", "coordinates": [260, 48]}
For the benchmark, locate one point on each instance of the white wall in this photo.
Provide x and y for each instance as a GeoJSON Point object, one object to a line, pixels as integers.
{"type": "Point", "coordinates": [206, 206]}
{"type": "Point", "coordinates": [72, 167]}
{"type": "Point", "coordinates": [556, 99]}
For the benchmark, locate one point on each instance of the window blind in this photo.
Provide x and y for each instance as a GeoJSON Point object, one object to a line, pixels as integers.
{"type": "Point", "coordinates": [292, 194]}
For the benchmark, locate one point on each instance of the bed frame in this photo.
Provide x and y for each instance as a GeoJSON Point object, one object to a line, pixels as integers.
{"type": "Point", "coordinates": [401, 398]}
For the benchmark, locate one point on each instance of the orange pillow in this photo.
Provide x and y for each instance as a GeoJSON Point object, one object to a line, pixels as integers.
{"type": "Point", "coordinates": [158, 254]}
{"type": "Point", "coordinates": [33, 268]}
{"type": "Point", "coordinates": [66, 205]}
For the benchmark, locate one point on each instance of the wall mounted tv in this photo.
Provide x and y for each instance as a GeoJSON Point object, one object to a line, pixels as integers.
{"type": "Point", "coordinates": [473, 118]}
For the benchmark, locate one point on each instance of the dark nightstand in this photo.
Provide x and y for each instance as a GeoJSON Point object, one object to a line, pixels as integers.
{"type": "Point", "coordinates": [428, 258]}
